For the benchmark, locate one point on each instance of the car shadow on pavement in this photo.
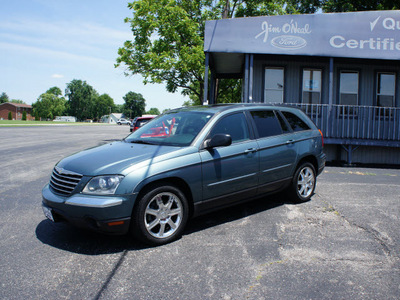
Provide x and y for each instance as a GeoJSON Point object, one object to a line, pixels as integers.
{"type": "Point", "coordinates": [234, 213]}
{"type": "Point", "coordinates": [69, 238]}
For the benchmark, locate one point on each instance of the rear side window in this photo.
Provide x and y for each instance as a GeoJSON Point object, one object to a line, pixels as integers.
{"type": "Point", "coordinates": [284, 126]}
{"type": "Point", "coordinates": [295, 122]}
{"type": "Point", "coordinates": [266, 123]}
{"type": "Point", "coordinates": [140, 123]}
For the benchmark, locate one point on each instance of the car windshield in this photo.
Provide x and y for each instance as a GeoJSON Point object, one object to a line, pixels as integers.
{"type": "Point", "coordinates": [173, 129]}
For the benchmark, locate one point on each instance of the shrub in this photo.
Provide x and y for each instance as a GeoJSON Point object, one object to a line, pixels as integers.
{"type": "Point", "coordinates": [10, 115]}
{"type": "Point", "coordinates": [24, 115]}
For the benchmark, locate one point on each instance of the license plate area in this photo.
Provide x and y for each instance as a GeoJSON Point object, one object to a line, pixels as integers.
{"type": "Point", "coordinates": [48, 213]}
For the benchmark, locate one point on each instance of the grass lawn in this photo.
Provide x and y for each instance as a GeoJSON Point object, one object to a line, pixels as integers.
{"type": "Point", "coordinates": [7, 123]}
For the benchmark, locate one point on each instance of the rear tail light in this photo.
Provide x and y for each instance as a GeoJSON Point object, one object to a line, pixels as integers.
{"type": "Point", "coordinates": [322, 136]}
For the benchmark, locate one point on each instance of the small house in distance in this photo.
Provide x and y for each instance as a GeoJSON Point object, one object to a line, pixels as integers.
{"type": "Point", "coordinates": [342, 69]}
{"type": "Point", "coordinates": [16, 110]}
{"type": "Point", "coordinates": [111, 118]}
{"type": "Point", "coordinates": [65, 119]}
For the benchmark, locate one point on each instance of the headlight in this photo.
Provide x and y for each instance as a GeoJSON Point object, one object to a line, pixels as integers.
{"type": "Point", "coordinates": [103, 185]}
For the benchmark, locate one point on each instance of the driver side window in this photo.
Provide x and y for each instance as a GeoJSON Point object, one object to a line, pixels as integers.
{"type": "Point", "coordinates": [235, 125]}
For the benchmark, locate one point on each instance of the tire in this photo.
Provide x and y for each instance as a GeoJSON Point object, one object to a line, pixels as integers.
{"type": "Point", "coordinates": [303, 183]}
{"type": "Point", "coordinates": [160, 215]}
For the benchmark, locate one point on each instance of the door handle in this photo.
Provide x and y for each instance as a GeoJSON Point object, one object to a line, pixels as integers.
{"type": "Point", "coordinates": [289, 142]}
{"type": "Point", "coordinates": [251, 150]}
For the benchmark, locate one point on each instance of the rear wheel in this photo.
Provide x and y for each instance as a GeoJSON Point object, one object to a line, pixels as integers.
{"type": "Point", "coordinates": [161, 215]}
{"type": "Point", "coordinates": [303, 183]}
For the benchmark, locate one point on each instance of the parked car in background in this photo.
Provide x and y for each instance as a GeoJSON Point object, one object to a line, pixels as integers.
{"type": "Point", "coordinates": [186, 162]}
{"type": "Point", "coordinates": [123, 122]}
{"type": "Point", "coordinates": [140, 121]}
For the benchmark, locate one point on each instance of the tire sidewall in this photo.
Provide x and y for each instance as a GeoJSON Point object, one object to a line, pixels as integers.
{"type": "Point", "coordinates": [294, 188]}
{"type": "Point", "coordinates": [138, 227]}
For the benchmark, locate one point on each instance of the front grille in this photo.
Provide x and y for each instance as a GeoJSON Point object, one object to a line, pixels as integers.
{"type": "Point", "coordinates": [63, 181]}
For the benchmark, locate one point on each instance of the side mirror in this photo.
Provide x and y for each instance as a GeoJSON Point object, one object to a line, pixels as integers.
{"type": "Point", "coordinates": [218, 140]}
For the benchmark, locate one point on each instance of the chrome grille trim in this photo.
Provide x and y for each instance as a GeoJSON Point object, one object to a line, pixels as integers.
{"type": "Point", "coordinates": [63, 181]}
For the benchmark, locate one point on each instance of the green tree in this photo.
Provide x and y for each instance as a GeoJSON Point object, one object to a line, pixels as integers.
{"type": "Point", "coordinates": [81, 99]}
{"type": "Point", "coordinates": [168, 43]}
{"type": "Point", "coordinates": [303, 6]}
{"type": "Point", "coordinates": [358, 5]}
{"type": "Point", "coordinates": [104, 105]}
{"type": "Point", "coordinates": [169, 37]}
{"type": "Point", "coordinates": [9, 115]}
{"type": "Point", "coordinates": [119, 108]}
{"type": "Point", "coordinates": [49, 105]}
{"type": "Point", "coordinates": [17, 101]}
{"type": "Point", "coordinates": [54, 91]}
{"type": "Point", "coordinates": [4, 98]}
{"type": "Point", "coordinates": [153, 111]}
{"type": "Point", "coordinates": [134, 105]}
{"type": "Point", "coordinates": [24, 115]}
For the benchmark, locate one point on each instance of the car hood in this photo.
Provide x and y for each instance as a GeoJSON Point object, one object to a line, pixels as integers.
{"type": "Point", "coordinates": [116, 157]}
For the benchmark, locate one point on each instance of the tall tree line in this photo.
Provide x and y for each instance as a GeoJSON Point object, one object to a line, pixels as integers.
{"type": "Point", "coordinates": [84, 102]}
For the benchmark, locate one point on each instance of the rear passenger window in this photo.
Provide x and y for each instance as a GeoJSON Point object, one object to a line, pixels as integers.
{"type": "Point", "coordinates": [284, 126]}
{"type": "Point", "coordinates": [266, 122]}
{"type": "Point", "coordinates": [295, 122]}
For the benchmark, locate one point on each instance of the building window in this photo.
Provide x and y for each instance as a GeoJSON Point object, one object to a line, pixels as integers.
{"type": "Point", "coordinates": [385, 89]}
{"type": "Point", "coordinates": [312, 86]}
{"type": "Point", "coordinates": [348, 88]}
{"type": "Point", "coordinates": [274, 85]}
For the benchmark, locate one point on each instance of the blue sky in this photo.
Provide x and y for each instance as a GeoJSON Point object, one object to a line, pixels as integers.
{"type": "Point", "coordinates": [46, 43]}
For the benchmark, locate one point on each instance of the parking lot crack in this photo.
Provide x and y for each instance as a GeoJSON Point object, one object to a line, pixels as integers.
{"type": "Point", "coordinates": [111, 275]}
{"type": "Point", "coordinates": [376, 235]}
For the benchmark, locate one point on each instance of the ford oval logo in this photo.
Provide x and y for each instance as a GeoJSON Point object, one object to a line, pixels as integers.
{"type": "Point", "coordinates": [289, 42]}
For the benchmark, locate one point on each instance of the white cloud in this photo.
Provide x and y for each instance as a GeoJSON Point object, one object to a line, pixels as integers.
{"type": "Point", "coordinates": [57, 76]}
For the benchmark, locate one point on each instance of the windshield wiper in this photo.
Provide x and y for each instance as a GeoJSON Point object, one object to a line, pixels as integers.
{"type": "Point", "coordinates": [142, 142]}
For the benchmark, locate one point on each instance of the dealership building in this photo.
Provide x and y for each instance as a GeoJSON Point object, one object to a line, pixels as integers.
{"type": "Point", "coordinates": [342, 69]}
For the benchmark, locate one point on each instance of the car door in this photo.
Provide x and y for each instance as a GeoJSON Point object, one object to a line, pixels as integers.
{"type": "Point", "coordinates": [230, 170]}
{"type": "Point", "coordinates": [277, 150]}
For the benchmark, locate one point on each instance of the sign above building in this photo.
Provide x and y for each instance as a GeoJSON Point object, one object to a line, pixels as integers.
{"type": "Point", "coordinates": [374, 35]}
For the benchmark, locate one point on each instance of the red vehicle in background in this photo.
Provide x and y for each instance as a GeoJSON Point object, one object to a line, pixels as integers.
{"type": "Point", "coordinates": [160, 131]}
{"type": "Point", "coordinates": [140, 121]}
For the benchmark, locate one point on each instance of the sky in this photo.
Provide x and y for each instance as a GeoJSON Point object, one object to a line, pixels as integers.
{"type": "Point", "coordinates": [46, 43]}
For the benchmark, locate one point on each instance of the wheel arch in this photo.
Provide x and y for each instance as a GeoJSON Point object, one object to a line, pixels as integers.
{"type": "Point", "coordinates": [174, 181]}
{"type": "Point", "coordinates": [310, 159]}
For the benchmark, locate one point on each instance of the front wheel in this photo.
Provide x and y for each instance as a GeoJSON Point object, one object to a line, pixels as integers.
{"type": "Point", "coordinates": [303, 183]}
{"type": "Point", "coordinates": [160, 215]}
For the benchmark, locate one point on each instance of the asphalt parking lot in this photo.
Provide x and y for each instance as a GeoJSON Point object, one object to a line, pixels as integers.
{"type": "Point", "coordinates": [343, 244]}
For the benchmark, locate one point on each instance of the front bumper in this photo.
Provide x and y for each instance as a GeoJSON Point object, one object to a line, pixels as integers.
{"type": "Point", "coordinates": [107, 214]}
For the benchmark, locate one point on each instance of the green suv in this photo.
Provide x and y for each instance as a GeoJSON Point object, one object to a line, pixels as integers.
{"type": "Point", "coordinates": [186, 162]}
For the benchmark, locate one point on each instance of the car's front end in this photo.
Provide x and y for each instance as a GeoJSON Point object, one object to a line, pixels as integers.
{"type": "Point", "coordinates": [97, 188]}
{"type": "Point", "coordinates": [88, 201]}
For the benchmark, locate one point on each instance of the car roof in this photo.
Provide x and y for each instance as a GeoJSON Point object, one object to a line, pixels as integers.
{"type": "Point", "coordinates": [144, 118]}
{"type": "Point", "coordinates": [216, 108]}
